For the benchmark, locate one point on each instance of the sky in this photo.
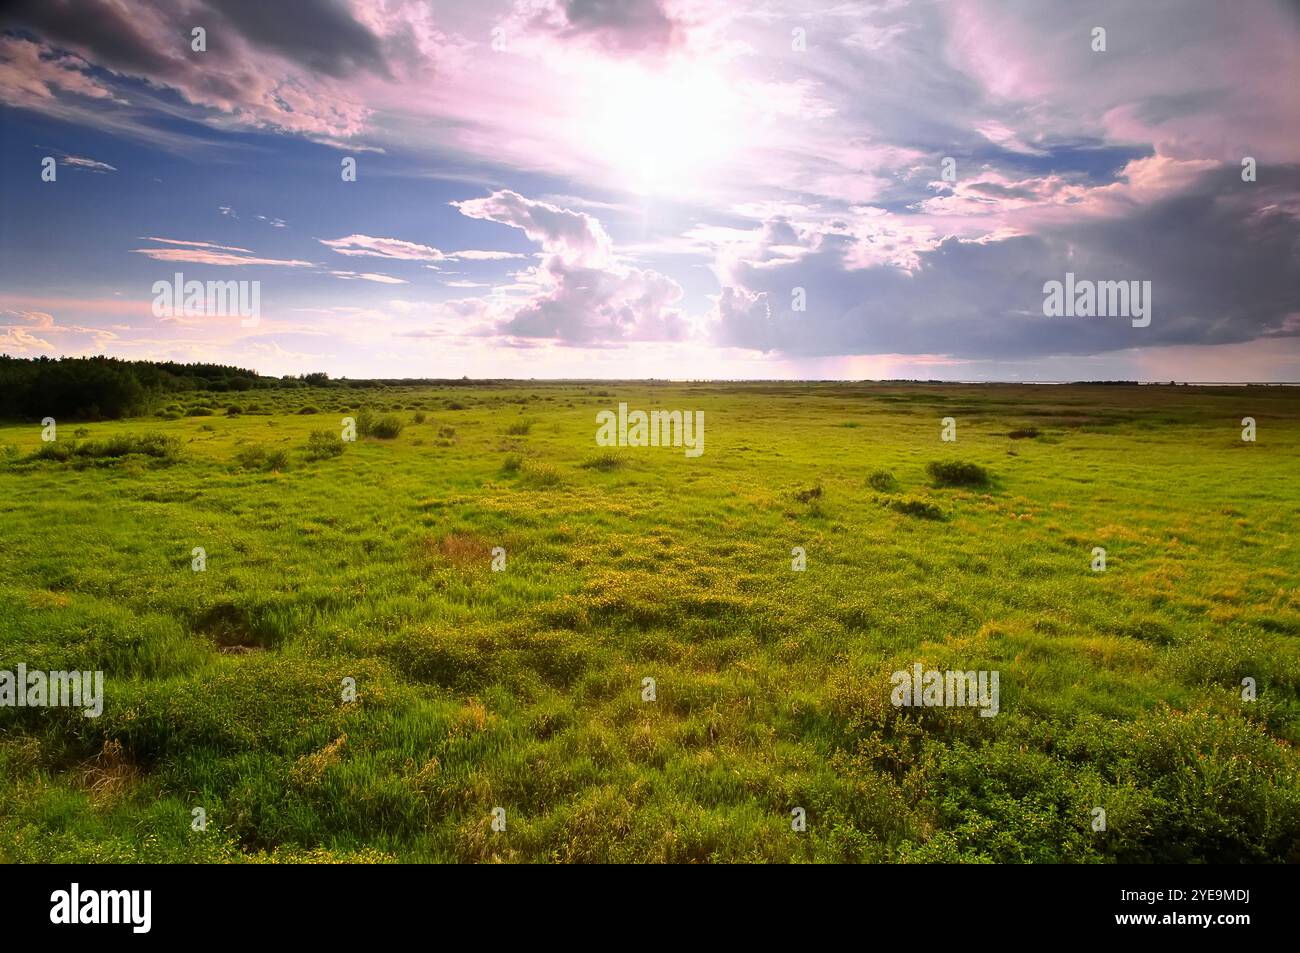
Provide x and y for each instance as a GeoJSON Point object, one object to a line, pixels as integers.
{"type": "Point", "coordinates": [656, 188]}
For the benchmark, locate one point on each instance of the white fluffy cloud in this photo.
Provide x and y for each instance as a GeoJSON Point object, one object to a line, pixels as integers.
{"type": "Point", "coordinates": [581, 293]}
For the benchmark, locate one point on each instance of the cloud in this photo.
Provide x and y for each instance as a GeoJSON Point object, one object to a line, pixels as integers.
{"type": "Point", "coordinates": [261, 69]}
{"type": "Point", "coordinates": [589, 305]}
{"type": "Point", "coordinates": [1224, 270]}
{"type": "Point", "coordinates": [207, 245]}
{"type": "Point", "coordinates": [208, 256]}
{"type": "Point", "coordinates": [581, 293]}
{"type": "Point", "coordinates": [39, 320]}
{"type": "Point", "coordinates": [370, 276]}
{"type": "Point", "coordinates": [90, 165]}
{"type": "Point", "coordinates": [18, 338]}
{"type": "Point", "coordinates": [33, 76]}
{"type": "Point", "coordinates": [574, 236]}
{"type": "Point", "coordinates": [474, 254]}
{"type": "Point", "coordinates": [368, 246]}
{"type": "Point", "coordinates": [615, 27]}
{"type": "Point", "coordinates": [1195, 81]}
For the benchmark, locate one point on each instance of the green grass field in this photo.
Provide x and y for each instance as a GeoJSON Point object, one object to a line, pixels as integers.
{"type": "Point", "coordinates": [523, 689]}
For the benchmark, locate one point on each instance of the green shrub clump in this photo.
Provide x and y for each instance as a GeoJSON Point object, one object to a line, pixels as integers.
{"type": "Point", "coordinates": [370, 424]}
{"type": "Point", "coordinates": [882, 481]}
{"type": "Point", "coordinates": [957, 473]}
{"type": "Point", "coordinates": [259, 458]}
{"type": "Point", "coordinates": [323, 444]}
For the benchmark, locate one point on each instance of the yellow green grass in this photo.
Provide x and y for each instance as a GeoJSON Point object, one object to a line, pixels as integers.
{"type": "Point", "coordinates": [522, 689]}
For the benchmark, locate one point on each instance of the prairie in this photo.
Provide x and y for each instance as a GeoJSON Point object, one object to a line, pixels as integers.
{"type": "Point", "coordinates": [522, 688]}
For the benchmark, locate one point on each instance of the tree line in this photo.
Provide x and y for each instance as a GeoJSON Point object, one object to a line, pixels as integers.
{"type": "Point", "coordinates": [108, 388]}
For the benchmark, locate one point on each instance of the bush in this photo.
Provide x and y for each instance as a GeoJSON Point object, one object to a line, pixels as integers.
{"type": "Point", "coordinates": [519, 428]}
{"type": "Point", "coordinates": [199, 412]}
{"type": "Point", "coordinates": [159, 446]}
{"type": "Point", "coordinates": [234, 410]}
{"type": "Point", "coordinates": [259, 458]}
{"type": "Point", "coordinates": [604, 462]}
{"type": "Point", "coordinates": [322, 444]}
{"type": "Point", "coordinates": [541, 476]}
{"type": "Point", "coordinates": [1023, 433]}
{"type": "Point", "coordinates": [309, 409]}
{"type": "Point", "coordinates": [418, 418]}
{"type": "Point", "coordinates": [808, 494]}
{"type": "Point", "coordinates": [919, 506]}
{"type": "Point", "coordinates": [52, 451]}
{"type": "Point", "coordinates": [369, 424]}
{"type": "Point", "coordinates": [957, 473]}
{"type": "Point", "coordinates": [512, 463]}
{"type": "Point", "coordinates": [156, 445]}
{"type": "Point", "coordinates": [882, 481]}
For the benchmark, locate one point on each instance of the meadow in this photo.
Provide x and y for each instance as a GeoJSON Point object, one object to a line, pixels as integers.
{"type": "Point", "coordinates": [523, 689]}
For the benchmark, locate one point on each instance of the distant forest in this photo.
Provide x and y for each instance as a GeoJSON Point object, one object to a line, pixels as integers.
{"type": "Point", "coordinates": [106, 388]}
{"type": "Point", "coordinates": [109, 388]}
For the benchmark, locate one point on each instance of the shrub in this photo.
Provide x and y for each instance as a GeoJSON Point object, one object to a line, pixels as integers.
{"type": "Point", "coordinates": [259, 458]}
{"type": "Point", "coordinates": [322, 444]}
{"type": "Point", "coordinates": [369, 424]}
{"type": "Point", "coordinates": [1023, 433]}
{"type": "Point", "coordinates": [309, 409]}
{"type": "Point", "coordinates": [808, 494]}
{"type": "Point", "coordinates": [156, 445]}
{"type": "Point", "coordinates": [418, 418]}
{"type": "Point", "coordinates": [234, 410]}
{"type": "Point", "coordinates": [159, 446]}
{"type": "Point", "coordinates": [199, 412]}
{"type": "Point", "coordinates": [387, 427]}
{"type": "Point", "coordinates": [541, 476]}
{"type": "Point", "coordinates": [882, 481]}
{"type": "Point", "coordinates": [957, 473]}
{"type": "Point", "coordinates": [52, 451]}
{"type": "Point", "coordinates": [604, 462]}
{"type": "Point", "coordinates": [512, 463]}
{"type": "Point", "coordinates": [520, 428]}
{"type": "Point", "coordinates": [919, 506]}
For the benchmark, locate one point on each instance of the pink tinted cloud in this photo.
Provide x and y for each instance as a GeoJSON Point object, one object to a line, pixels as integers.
{"type": "Point", "coordinates": [369, 246]}
{"type": "Point", "coordinates": [202, 256]}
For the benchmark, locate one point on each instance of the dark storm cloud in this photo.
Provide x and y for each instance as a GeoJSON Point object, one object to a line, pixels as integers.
{"type": "Point", "coordinates": [104, 33]}
{"type": "Point", "coordinates": [1223, 259]}
{"type": "Point", "coordinates": [627, 26]}
{"type": "Point", "coordinates": [319, 35]}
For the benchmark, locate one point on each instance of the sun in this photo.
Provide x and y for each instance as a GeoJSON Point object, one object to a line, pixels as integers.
{"type": "Point", "coordinates": [659, 130]}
